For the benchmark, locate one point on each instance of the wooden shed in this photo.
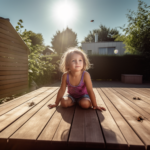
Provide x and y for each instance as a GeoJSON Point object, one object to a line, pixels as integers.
{"type": "Point", "coordinates": [13, 61]}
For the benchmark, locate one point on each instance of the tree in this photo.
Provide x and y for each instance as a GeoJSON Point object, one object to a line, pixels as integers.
{"type": "Point", "coordinates": [36, 38]}
{"type": "Point", "coordinates": [137, 35]}
{"type": "Point", "coordinates": [25, 34]}
{"type": "Point", "coordinates": [137, 32]}
{"type": "Point", "coordinates": [104, 34]}
{"type": "Point", "coordinates": [40, 70]}
{"type": "Point", "coordinates": [63, 40]}
{"type": "Point", "coordinates": [29, 37]}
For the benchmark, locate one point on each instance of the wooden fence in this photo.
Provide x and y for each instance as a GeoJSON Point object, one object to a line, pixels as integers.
{"type": "Point", "coordinates": [13, 61]}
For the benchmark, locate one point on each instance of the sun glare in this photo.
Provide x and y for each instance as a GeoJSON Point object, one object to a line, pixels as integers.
{"type": "Point", "coordinates": [64, 12]}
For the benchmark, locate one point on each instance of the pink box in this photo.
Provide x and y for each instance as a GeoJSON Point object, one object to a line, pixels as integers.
{"type": "Point", "coordinates": [131, 78]}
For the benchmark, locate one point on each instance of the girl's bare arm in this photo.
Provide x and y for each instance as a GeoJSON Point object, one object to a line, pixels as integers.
{"type": "Point", "coordinates": [61, 91]}
{"type": "Point", "coordinates": [89, 87]}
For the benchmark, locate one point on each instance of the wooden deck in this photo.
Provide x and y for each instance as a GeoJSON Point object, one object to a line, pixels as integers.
{"type": "Point", "coordinates": [37, 127]}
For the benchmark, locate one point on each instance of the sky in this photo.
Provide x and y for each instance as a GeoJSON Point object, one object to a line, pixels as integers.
{"type": "Point", "coordinates": [49, 16]}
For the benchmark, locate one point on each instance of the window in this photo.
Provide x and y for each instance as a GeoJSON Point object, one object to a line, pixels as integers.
{"type": "Point", "coordinates": [89, 52]}
{"type": "Point", "coordinates": [106, 50]}
{"type": "Point", "coordinates": [103, 50]}
{"type": "Point", "coordinates": [110, 50]}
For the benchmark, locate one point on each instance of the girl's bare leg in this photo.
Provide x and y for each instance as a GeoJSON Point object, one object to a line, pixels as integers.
{"type": "Point", "coordinates": [66, 102]}
{"type": "Point", "coordinates": [84, 103]}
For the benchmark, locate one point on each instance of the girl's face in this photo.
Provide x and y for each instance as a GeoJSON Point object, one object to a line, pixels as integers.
{"type": "Point", "coordinates": [76, 62]}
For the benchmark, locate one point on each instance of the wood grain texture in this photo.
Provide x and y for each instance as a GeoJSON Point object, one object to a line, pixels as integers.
{"type": "Point", "coordinates": [11, 43]}
{"type": "Point", "coordinates": [77, 134]}
{"type": "Point", "coordinates": [13, 89]}
{"type": "Point", "coordinates": [86, 131]}
{"type": "Point", "coordinates": [20, 100]}
{"type": "Point", "coordinates": [8, 77]}
{"type": "Point", "coordinates": [12, 60]}
{"type": "Point", "coordinates": [139, 94]}
{"type": "Point", "coordinates": [58, 127]}
{"type": "Point", "coordinates": [12, 47]}
{"type": "Point", "coordinates": [9, 38]}
{"type": "Point", "coordinates": [9, 64]}
{"type": "Point", "coordinates": [113, 136]}
{"type": "Point", "coordinates": [94, 136]}
{"type": "Point", "coordinates": [5, 134]}
{"type": "Point", "coordinates": [130, 115]}
{"type": "Point", "coordinates": [9, 117]}
{"type": "Point", "coordinates": [134, 106]}
{"type": "Point", "coordinates": [133, 140]}
{"type": "Point", "coordinates": [35, 91]}
{"type": "Point", "coordinates": [17, 53]}
{"type": "Point", "coordinates": [12, 85]}
{"type": "Point", "coordinates": [145, 106]}
{"type": "Point", "coordinates": [19, 91]}
{"type": "Point", "coordinates": [35, 125]}
{"type": "Point", "coordinates": [14, 34]}
{"type": "Point", "coordinates": [142, 91]}
{"type": "Point", "coordinates": [3, 26]}
{"type": "Point", "coordinates": [6, 32]}
{"type": "Point", "coordinates": [13, 72]}
{"type": "Point", "coordinates": [17, 68]}
{"type": "Point", "coordinates": [4, 82]}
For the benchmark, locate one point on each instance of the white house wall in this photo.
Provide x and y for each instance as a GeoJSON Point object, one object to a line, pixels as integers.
{"type": "Point", "coordinates": [95, 46]}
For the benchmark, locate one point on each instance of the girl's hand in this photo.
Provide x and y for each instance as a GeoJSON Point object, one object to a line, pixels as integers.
{"type": "Point", "coordinates": [51, 105]}
{"type": "Point", "coordinates": [99, 108]}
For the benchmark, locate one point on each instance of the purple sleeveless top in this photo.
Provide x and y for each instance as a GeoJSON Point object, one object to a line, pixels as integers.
{"type": "Point", "coordinates": [79, 90]}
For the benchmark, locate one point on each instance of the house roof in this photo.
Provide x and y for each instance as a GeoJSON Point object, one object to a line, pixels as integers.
{"type": "Point", "coordinates": [99, 42]}
{"type": "Point", "coordinates": [7, 22]}
{"type": "Point", "coordinates": [48, 49]}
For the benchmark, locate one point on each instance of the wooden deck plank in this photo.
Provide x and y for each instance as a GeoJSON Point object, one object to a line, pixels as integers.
{"type": "Point", "coordinates": [17, 112]}
{"type": "Point", "coordinates": [131, 104]}
{"type": "Point", "coordinates": [130, 115]}
{"type": "Point", "coordinates": [20, 100]}
{"type": "Point", "coordinates": [35, 91]}
{"type": "Point", "coordinates": [39, 125]}
{"type": "Point", "coordinates": [145, 106]}
{"type": "Point", "coordinates": [113, 136]}
{"type": "Point", "coordinates": [22, 139]}
{"type": "Point", "coordinates": [5, 134]}
{"type": "Point", "coordinates": [62, 134]}
{"type": "Point", "coordinates": [94, 136]}
{"type": "Point", "coordinates": [84, 132]}
{"type": "Point", "coordinates": [132, 139]}
{"type": "Point", "coordinates": [138, 94]}
{"type": "Point", "coordinates": [56, 126]}
{"type": "Point", "coordinates": [142, 91]}
{"type": "Point", "coordinates": [52, 125]}
{"type": "Point", "coordinates": [77, 134]}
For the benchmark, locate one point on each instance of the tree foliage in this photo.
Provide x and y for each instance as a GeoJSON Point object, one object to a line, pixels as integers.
{"type": "Point", "coordinates": [137, 32]}
{"type": "Point", "coordinates": [104, 34]}
{"type": "Point", "coordinates": [137, 35]}
{"type": "Point", "coordinates": [40, 70]}
{"type": "Point", "coordinates": [36, 38]}
{"type": "Point", "coordinates": [63, 40]}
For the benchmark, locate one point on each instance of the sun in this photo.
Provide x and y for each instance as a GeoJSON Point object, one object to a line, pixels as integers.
{"type": "Point", "coordinates": [64, 12]}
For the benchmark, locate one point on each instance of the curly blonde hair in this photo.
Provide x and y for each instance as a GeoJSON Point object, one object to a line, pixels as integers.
{"type": "Point", "coordinates": [65, 59]}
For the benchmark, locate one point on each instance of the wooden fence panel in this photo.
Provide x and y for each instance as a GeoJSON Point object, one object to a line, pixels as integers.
{"type": "Point", "coordinates": [13, 61]}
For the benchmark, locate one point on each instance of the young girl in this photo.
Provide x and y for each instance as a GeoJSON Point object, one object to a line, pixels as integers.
{"type": "Point", "coordinates": [73, 64]}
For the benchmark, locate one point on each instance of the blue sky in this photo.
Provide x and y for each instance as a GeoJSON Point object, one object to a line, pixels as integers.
{"type": "Point", "coordinates": [47, 16]}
